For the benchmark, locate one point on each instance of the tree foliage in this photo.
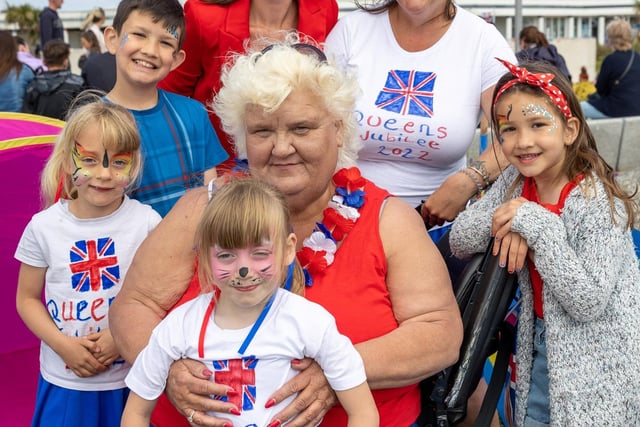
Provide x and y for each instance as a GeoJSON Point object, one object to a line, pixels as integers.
{"type": "Point", "coordinates": [27, 19]}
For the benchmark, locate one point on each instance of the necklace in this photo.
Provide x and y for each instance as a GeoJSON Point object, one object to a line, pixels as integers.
{"type": "Point", "coordinates": [258, 28]}
{"type": "Point", "coordinates": [338, 219]}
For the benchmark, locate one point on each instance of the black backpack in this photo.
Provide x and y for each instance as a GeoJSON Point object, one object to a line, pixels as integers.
{"type": "Point", "coordinates": [484, 291]}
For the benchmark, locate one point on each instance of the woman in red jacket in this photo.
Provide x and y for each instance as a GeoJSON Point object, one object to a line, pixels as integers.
{"type": "Point", "coordinates": [215, 28]}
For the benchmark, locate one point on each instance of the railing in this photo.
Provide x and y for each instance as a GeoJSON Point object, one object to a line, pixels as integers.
{"type": "Point", "coordinates": [618, 142]}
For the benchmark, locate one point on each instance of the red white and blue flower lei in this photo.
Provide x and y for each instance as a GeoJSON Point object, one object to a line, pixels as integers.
{"type": "Point", "coordinates": [339, 218]}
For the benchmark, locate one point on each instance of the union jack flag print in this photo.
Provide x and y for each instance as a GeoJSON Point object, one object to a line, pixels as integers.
{"type": "Point", "coordinates": [239, 374]}
{"type": "Point", "coordinates": [408, 93]}
{"type": "Point", "coordinates": [94, 264]}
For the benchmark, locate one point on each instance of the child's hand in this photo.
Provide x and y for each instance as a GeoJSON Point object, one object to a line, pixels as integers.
{"type": "Point", "coordinates": [502, 217]}
{"type": "Point", "coordinates": [513, 249]}
{"type": "Point", "coordinates": [77, 353]}
{"type": "Point", "coordinates": [105, 351]}
{"type": "Point", "coordinates": [511, 246]}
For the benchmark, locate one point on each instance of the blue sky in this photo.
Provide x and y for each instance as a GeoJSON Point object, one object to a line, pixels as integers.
{"type": "Point", "coordinates": [70, 5]}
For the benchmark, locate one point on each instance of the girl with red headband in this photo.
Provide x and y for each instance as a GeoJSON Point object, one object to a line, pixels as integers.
{"type": "Point", "coordinates": [562, 223]}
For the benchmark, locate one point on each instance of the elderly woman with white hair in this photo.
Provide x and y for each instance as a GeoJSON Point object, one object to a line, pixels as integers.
{"type": "Point", "coordinates": [365, 253]}
{"type": "Point", "coordinates": [618, 83]}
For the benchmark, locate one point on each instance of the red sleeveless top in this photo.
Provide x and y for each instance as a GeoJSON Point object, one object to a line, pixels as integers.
{"type": "Point", "coordinates": [353, 289]}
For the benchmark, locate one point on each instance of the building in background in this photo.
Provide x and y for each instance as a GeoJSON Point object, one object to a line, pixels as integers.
{"type": "Point", "coordinates": [558, 18]}
{"type": "Point", "coordinates": [562, 21]}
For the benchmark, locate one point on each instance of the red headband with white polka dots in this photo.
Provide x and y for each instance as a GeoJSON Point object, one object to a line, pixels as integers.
{"type": "Point", "coordinates": [542, 80]}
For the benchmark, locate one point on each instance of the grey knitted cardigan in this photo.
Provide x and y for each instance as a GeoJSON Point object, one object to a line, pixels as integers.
{"type": "Point", "coordinates": [591, 303]}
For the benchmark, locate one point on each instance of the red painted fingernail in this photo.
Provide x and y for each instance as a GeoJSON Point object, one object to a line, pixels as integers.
{"type": "Point", "coordinates": [275, 423]}
{"type": "Point", "coordinates": [234, 411]}
{"type": "Point", "coordinates": [270, 403]}
{"type": "Point", "coordinates": [296, 361]}
{"type": "Point", "coordinates": [227, 425]}
{"type": "Point", "coordinates": [231, 393]}
{"type": "Point", "coordinates": [207, 373]}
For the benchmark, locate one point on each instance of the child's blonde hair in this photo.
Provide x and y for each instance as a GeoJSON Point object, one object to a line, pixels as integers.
{"type": "Point", "coordinates": [246, 212]}
{"type": "Point", "coordinates": [119, 133]}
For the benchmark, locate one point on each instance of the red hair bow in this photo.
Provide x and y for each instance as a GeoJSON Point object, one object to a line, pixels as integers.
{"type": "Point", "coordinates": [541, 80]}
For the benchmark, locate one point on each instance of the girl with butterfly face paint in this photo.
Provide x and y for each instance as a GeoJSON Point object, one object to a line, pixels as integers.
{"type": "Point", "coordinates": [78, 251]}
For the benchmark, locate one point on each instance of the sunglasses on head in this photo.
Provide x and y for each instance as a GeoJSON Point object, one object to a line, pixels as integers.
{"type": "Point", "coordinates": [303, 48]}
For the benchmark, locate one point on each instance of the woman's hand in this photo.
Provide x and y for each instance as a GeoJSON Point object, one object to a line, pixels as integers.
{"type": "Point", "coordinates": [511, 246]}
{"type": "Point", "coordinates": [189, 389]}
{"type": "Point", "coordinates": [315, 396]}
{"type": "Point", "coordinates": [448, 200]}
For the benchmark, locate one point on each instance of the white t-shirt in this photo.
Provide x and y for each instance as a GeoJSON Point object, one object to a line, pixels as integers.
{"type": "Point", "coordinates": [419, 110]}
{"type": "Point", "coordinates": [293, 328]}
{"type": "Point", "coordinates": [95, 29]}
{"type": "Point", "coordinates": [86, 262]}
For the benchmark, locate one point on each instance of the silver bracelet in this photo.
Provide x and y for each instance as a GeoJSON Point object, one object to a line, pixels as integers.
{"type": "Point", "coordinates": [482, 171]}
{"type": "Point", "coordinates": [475, 180]}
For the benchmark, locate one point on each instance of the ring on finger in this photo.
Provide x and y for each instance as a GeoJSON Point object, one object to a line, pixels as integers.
{"type": "Point", "coordinates": [190, 417]}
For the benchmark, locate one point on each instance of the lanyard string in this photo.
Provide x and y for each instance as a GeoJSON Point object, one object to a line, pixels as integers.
{"type": "Point", "coordinates": [256, 325]}
{"type": "Point", "coordinates": [289, 281]}
{"type": "Point", "coordinates": [247, 340]}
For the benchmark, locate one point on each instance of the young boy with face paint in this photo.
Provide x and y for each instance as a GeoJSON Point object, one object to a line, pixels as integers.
{"type": "Point", "coordinates": [179, 144]}
{"type": "Point", "coordinates": [79, 250]}
{"type": "Point", "coordinates": [247, 330]}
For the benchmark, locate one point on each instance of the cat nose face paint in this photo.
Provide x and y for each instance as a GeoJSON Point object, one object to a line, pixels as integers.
{"type": "Point", "coordinates": [244, 266]}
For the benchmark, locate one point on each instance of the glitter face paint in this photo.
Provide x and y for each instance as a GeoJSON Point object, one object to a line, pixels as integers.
{"type": "Point", "coordinates": [125, 39]}
{"type": "Point", "coordinates": [173, 30]}
{"type": "Point", "coordinates": [540, 111]}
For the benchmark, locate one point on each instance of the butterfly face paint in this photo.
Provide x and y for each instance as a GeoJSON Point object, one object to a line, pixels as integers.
{"type": "Point", "coordinates": [89, 165]}
{"type": "Point", "coordinates": [80, 175]}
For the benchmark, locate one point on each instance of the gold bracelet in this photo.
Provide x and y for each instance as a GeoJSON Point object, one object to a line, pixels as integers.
{"type": "Point", "coordinates": [482, 171]}
{"type": "Point", "coordinates": [475, 180]}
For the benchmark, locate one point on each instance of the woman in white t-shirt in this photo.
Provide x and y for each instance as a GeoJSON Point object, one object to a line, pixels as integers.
{"type": "Point", "coordinates": [94, 22]}
{"type": "Point", "coordinates": [427, 70]}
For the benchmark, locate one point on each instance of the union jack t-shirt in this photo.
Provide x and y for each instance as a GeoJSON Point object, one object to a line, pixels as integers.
{"type": "Point", "coordinates": [86, 261]}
